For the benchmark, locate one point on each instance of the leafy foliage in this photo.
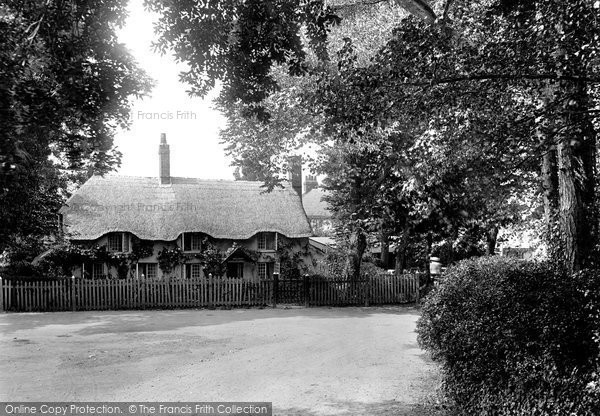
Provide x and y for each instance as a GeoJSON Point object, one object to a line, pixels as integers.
{"type": "Point", "coordinates": [211, 259]}
{"type": "Point", "coordinates": [170, 258]}
{"type": "Point", "coordinates": [63, 259]}
{"type": "Point", "coordinates": [515, 338]}
{"type": "Point", "coordinates": [141, 249]}
{"type": "Point", "coordinates": [65, 86]}
{"type": "Point", "coordinates": [292, 264]}
{"type": "Point", "coordinates": [369, 270]}
{"type": "Point", "coordinates": [456, 108]}
{"type": "Point", "coordinates": [238, 43]}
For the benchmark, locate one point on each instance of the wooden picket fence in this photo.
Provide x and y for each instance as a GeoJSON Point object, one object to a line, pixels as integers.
{"type": "Point", "coordinates": [378, 290]}
{"type": "Point", "coordinates": [83, 294]}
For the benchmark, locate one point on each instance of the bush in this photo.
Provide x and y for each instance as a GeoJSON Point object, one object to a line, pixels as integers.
{"type": "Point", "coordinates": [369, 270]}
{"type": "Point", "coordinates": [22, 270]}
{"type": "Point", "coordinates": [515, 338]}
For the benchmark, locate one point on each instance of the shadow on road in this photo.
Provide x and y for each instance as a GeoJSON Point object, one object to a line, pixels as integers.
{"type": "Point", "coordinates": [105, 322]}
{"type": "Point", "coordinates": [386, 408]}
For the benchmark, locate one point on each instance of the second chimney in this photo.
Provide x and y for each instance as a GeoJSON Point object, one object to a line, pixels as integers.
{"type": "Point", "coordinates": [164, 161]}
{"type": "Point", "coordinates": [295, 174]}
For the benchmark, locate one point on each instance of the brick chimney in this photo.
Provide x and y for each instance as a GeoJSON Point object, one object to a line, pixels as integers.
{"type": "Point", "coordinates": [164, 161]}
{"type": "Point", "coordinates": [310, 183]}
{"type": "Point", "coordinates": [295, 174]}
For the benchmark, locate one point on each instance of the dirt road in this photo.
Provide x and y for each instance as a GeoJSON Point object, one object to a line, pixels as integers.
{"type": "Point", "coordinates": [317, 361]}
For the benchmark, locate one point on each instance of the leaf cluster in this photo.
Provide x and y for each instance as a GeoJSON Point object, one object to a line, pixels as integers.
{"type": "Point", "coordinates": [66, 84]}
{"type": "Point", "coordinates": [515, 338]}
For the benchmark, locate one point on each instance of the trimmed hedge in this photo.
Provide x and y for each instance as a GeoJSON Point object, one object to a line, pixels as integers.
{"type": "Point", "coordinates": [515, 338]}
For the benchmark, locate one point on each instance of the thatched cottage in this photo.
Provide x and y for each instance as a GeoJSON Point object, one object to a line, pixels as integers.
{"type": "Point", "coordinates": [176, 219]}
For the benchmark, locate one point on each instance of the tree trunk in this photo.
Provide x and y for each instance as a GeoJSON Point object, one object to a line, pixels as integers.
{"type": "Point", "coordinates": [549, 170]}
{"type": "Point", "coordinates": [550, 187]}
{"type": "Point", "coordinates": [428, 244]}
{"type": "Point", "coordinates": [401, 252]}
{"type": "Point", "coordinates": [418, 8]}
{"type": "Point", "coordinates": [569, 208]}
{"type": "Point", "coordinates": [385, 250]}
{"type": "Point", "coordinates": [576, 156]}
{"type": "Point", "coordinates": [358, 245]}
{"type": "Point", "coordinates": [491, 239]}
{"type": "Point", "coordinates": [400, 263]}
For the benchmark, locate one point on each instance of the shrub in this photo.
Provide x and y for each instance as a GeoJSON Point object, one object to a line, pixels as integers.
{"type": "Point", "coordinates": [515, 338]}
{"type": "Point", "coordinates": [368, 270]}
{"type": "Point", "coordinates": [334, 264]}
{"type": "Point", "coordinates": [21, 270]}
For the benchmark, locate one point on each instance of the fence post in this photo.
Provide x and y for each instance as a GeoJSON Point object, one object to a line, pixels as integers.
{"type": "Point", "coordinates": [306, 290]}
{"type": "Point", "coordinates": [275, 289]}
{"type": "Point", "coordinates": [418, 287]}
{"type": "Point", "coordinates": [1, 295]}
{"type": "Point", "coordinates": [210, 290]}
{"type": "Point", "coordinates": [73, 305]}
{"type": "Point", "coordinates": [368, 290]}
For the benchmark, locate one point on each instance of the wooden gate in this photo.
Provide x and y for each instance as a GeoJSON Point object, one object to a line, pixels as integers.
{"type": "Point", "coordinates": [288, 291]}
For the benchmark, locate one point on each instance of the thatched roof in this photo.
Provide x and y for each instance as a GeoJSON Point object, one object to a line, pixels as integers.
{"type": "Point", "coordinates": [221, 209]}
{"type": "Point", "coordinates": [314, 205]}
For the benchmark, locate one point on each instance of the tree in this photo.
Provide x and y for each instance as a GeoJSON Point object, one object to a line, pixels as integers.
{"type": "Point", "coordinates": [518, 78]}
{"type": "Point", "coordinates": [238, 43]}
{"type": "Point", "coordinates": [432, 77]}
{"type": "Point", "coordinates": [66, 85]}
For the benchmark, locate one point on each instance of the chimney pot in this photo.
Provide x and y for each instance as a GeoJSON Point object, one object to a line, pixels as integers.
{"type": "Point", "coordinates": [310, 183]}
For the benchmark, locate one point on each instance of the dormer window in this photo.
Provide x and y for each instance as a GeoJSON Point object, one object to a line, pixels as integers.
{"type": "Point", "coordinates": [118, 242]}
{"type": "Point", "coordinates": [192, 242]}
{"type": "Point", "coordinates": [267, 241]}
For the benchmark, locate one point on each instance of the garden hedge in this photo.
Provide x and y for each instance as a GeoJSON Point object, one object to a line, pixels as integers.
{"type": "Point", "coordinates": [515, 338]}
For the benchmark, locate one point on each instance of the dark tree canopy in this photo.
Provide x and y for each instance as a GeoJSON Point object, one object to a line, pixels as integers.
{"type": "Point", "coordinates": [500, 95]}
{"type": "Point", "coordinates": [239, 42]}
{"type": "Point", "coordinates": [65, 86]}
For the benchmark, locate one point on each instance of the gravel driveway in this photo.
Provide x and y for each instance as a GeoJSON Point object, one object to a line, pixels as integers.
{"type": "Point", "coordinates": [317, 361]}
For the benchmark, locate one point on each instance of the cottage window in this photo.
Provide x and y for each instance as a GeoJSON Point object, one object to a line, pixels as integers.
{"type": "Point", "coordinates": [235, 270]}
{"type": "Point", "coordinates": [267, 241]}
{"type": "Point", "coordinates": [118, 242]}
{"type": "Point", "coordinates": [148, 270]}
{"type": "Point", "coordinates": [265, 270]}
{"type": "Point", "coordinates": [97, 271]}
{"type": "Point", "coordinates": [262, 270]}
{"type": "Point", "coordinates": [193, 270]}
{"type": "Point", "coordinates": [192, 241]}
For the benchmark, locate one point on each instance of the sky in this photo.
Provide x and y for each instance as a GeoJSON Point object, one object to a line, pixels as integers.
{"type": "Point", "coordinates": [191, 125]}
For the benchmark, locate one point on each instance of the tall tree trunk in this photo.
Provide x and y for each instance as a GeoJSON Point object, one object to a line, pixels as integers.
{"type": "Point", "coordinates": [576, 156]}
{"type": "Point", "coordinates": [550, 188]}
{"type": "Point", "coordinates": [385, 250]}
{"type": "Point", "coordinates": [549, 172]}
{"type": "Point", "coordinates": [569, 208]}
{"type": "Point", "coordinates": [428, 245]}
{"type": "Point", "coordinates": [401, 252]}
{"type": "Point", "coordinates": [491, 235]}
{"type": "Point", "coordinates": [400, 263]}
{"type": "Point", "coordinates": [358, 245]}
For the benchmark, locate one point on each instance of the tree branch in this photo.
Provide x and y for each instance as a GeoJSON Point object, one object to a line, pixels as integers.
{"type": "Point", "coordinates": [418, 8]}
{"type": "Point", "coordinates": [508, 77]}
{"type": "Point", "coordinates": [447, 10]}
